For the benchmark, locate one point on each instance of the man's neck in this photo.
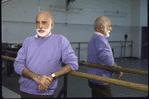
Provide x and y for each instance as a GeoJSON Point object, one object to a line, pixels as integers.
{"type": "Point", "coordinates": [100, 32]}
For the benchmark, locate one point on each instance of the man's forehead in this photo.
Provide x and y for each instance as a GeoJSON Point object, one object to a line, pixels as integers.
{"type": "Point", "coordinates": [47, 19]}
{"type": "Point", "coordinates": [108, 21]}
{"type": "Point", "coordinates": [43, 16]}
{"type": "Point", "coordinates": [42, 19]}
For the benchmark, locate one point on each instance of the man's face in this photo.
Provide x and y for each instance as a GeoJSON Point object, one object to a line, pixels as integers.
{"type": "Point", "coordinates": [107, 28]}
{"type": "Point", "coordinates": [43, 25]}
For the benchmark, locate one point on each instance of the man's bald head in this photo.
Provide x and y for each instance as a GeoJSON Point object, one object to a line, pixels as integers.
{"type": "Point", "coordinates": [45, 13]}
{"type": "Point", "coordinates": [103, 25]}
{"type": "Point", "coordinates": [100, 21]}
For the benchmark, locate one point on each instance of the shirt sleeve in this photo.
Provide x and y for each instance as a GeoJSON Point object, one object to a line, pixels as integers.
{"type": "Point", "coordinates": [104, 52]}
{"type": "Point", "coordinates": [68, 55]}
{"type": "Point", "coordinates": [20, 61]}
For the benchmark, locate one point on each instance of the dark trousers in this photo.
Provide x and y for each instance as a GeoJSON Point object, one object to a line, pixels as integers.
{"type": "Point", "coordinates": [100, 90]}
{"type": "Point", "coordinates": [26, 95]}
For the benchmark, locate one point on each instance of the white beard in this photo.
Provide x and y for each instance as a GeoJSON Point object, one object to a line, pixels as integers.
{"type": "Point", "coordinates": [106, 32]}
{"type": "Point", "coordinates": [46, 31]}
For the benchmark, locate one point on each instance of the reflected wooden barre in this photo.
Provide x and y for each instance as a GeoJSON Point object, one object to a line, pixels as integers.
{"type": "Point", "coordinates": [134, 71]}
{"type": "Point", "coordinates": [122, 83]}
{"type": "Point", "coordinates": [11, 52]}
{"type": "Point", "coordinates": [8, 58]}
{"type": "Point", "coordinates": [128, 70]}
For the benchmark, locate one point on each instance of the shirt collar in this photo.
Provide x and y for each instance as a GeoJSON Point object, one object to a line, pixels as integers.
{"type": "Point", "coordinates": [45, 37]}
{"type": "Point", "coordinates": [98, 33]}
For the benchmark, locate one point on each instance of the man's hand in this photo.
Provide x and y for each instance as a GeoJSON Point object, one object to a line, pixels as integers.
{"type": "Point", "coordinates": [44, 80]}
{"type": "Point", "coordinates": [119, 74]}
{"type": "Point", "coordinates": [42, 88]}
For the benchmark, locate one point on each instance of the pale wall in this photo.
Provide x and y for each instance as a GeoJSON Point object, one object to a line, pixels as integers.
{"type": "Point", "coordinates": [18, 26]}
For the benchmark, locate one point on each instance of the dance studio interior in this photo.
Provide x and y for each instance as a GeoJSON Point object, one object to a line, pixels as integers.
{"type": "Point", "coordinates": [74, 19]}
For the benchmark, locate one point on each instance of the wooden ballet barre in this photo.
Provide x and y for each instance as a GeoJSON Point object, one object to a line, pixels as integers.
{"type": "Point", "coordinates": [8, 58]}
{"type": "Point", "coordinates": [140, 87]}
{"type": "Point", "coordinates": [11, 52]}
{"type": "Point", "coordinates": [128, 70]}
{"type": "Point", "coordinates": [122, 83]}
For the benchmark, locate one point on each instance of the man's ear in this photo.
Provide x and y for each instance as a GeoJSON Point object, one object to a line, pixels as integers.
{"type": "Point", "coordinates": [52, 25]}
{"type": "Point", "coordinates": [102, 27]}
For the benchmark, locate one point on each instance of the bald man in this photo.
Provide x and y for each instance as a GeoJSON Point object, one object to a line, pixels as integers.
{"type": "Point", "coordinates": [99, 52]}
{"type": "Point", "coordinates": [39, 60]}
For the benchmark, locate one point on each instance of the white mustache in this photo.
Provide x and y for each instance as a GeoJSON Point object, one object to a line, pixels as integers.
{"type": "Point", "coordinates": [41, 29]}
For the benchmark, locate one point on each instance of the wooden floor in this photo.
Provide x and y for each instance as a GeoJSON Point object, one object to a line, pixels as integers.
{"type": "Point", "coordinates": [78, 87]}
{"type": "Point", "coordinates": [7, 93]}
